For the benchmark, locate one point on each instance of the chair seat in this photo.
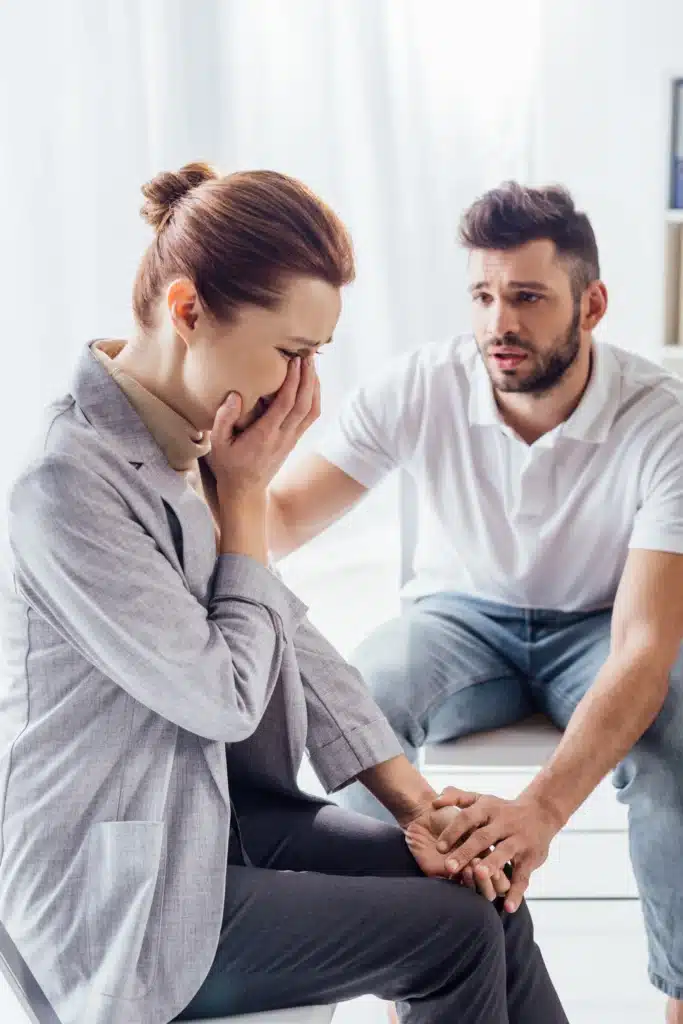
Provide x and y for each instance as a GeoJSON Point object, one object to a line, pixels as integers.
{"type": "Point", "coordinates": [304, 1015]}
{"type": "Point", "coordinates": [528, 744]}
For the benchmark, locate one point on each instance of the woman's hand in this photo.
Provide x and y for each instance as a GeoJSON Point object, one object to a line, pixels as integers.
{"type": "Point", "coordinates": [244, 463]}
{"type": "Point", "coordinates": [421, 836]}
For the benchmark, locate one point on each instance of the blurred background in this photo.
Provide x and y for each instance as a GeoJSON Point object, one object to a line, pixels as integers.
{"type": "Point", "coordinates": [398, 113]}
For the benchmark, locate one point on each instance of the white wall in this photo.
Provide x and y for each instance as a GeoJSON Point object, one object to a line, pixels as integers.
{"type": "Point", "coordinates": [602, 128]}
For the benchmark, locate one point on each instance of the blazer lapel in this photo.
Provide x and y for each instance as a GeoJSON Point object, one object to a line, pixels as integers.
{"type": "Point", "coordinates": [193, 551]}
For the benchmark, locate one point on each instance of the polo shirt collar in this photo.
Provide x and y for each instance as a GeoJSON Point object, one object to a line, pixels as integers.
{"type": "Point", "coordinates": [591, 420]}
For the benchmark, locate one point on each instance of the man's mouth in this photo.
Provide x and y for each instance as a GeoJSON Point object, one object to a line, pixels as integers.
{"type": "Point", "coordinates": [507, 358]}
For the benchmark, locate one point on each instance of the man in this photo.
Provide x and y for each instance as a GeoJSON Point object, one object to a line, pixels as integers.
{"type": "Point", "coordinates": [549, 568]}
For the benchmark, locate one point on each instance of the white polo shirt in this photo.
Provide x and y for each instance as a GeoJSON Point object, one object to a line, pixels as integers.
{"type": "Point", "coordinates": [546, 525]}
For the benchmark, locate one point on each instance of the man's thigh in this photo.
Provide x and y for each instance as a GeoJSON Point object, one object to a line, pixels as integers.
{"type": "Point", "coordinates": [567, 653]}
{"type": "Point", "coordinates": [444, 669]}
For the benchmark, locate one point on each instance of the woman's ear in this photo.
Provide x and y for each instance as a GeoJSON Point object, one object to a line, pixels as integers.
{"type": "Point", "coordinates": [183, 307]}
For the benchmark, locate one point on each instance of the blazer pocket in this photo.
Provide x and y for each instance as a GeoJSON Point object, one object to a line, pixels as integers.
{"type": "Point", "coordinates": [125, 877]}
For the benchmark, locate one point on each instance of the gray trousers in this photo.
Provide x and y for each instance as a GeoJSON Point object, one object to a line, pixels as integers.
{"type": "Point", "coordinates": [333, 907]}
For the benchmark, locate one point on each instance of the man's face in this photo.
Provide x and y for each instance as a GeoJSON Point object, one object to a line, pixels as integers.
{"type": "Point", "coordinates": [526, 320]}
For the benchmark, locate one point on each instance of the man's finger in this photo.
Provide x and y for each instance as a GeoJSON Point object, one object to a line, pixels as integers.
{"type": "Point", "coordinates": [520, 882]}
{"type": "Point", "coordinates": [452, 797]}
{"type": "Point", "coordinates": [477, 844]}
{"type": "Point", "coordinates": [465, 822]}
{"type": "Point", "coordinates": [505, 852]}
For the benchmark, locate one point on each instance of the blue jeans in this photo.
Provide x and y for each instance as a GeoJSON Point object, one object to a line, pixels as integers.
{"type": "Point", "coordinates": [453, 665]}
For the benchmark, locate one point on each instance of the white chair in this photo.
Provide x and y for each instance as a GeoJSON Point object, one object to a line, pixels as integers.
{"type": "Point", "coordinates": [306, 1015]}
{"type": "Point", "coordinates": [589, 859]}
{"type": "Point", "coordinates": [22, 1001]}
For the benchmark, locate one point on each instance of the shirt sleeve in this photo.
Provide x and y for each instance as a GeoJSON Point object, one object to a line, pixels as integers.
{"type": "Point", "coordinates": [378, 426]}
{"type": "Point", "coordinates": [86, 565]}
{"type": "Point", "coordinates": [658, 525]}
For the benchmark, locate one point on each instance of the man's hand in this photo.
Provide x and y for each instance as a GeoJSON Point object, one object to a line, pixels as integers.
{"type": "Point", "coordinates": [521, 831]}
{"type": "Point", "coordinates": [421, 837]}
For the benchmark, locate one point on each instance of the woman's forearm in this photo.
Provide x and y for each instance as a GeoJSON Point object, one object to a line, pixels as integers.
{"type": "Point", "coordinates": [243, 525]}
{"type": "Point", "coordinates": [399, 787]}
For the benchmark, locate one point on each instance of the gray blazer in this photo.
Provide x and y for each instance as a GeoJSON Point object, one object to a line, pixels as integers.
{"type": "Point", "coordinates": [144, 676]}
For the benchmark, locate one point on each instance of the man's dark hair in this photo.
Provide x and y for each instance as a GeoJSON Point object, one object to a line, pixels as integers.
{"type": "Point", "coordinates": [513, 214]}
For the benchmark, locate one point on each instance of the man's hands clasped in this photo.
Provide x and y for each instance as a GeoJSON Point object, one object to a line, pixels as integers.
{"type": "Point", "coordinates": [494, 832]}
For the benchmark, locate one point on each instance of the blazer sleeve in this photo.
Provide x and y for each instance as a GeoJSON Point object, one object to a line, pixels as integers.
{"type": "Point", "coordinates": [87, 565]}
{"type": "Point", "coordinates": [347, 732]}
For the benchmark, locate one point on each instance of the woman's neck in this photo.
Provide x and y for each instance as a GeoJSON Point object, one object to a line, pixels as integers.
{"type": "Point", "coordinates": [159, 369]}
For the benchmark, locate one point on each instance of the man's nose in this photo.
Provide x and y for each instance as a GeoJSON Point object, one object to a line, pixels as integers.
{"type": "Point", "coordinates": [504, 320]}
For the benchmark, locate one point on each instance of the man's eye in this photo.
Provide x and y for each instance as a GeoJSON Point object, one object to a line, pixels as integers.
{"type": "Point", "coordinates": [288, 355]}
{"type": "Point", "coordinates": [528, 297]}
{"type": "Point", "coordinates": [481, 298]}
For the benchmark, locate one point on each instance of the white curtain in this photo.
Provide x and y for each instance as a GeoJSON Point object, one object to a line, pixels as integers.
{"type": "Point", "coordinates": [398, 112]}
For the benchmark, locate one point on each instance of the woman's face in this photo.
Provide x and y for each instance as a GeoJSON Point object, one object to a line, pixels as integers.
{"type": "Point", "coordinates": [250, 355]}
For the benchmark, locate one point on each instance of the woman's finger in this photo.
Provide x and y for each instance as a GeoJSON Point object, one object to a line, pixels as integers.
{"type": "Point", "coordinates": [304, 398]}
{"type": "Point", "coordinates": [452, 797]}
{"type": "Point", "coordinates": [281, 407]}
{"type": "Point", "coordinates": [226, 418]}
{"type": "Point", "coordinates": [314, 411]}
{"type": "Point", "coordinates": [467, 877]}
{"type": "Point", "coordinates": [501, 883]}
{"type": "Point", "coordinates": [484, 883]}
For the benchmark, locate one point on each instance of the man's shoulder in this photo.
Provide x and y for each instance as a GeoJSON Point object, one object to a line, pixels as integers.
{"type": "Point", "coordinates": [649, 417]}
{"type": "Point", "coordinates": [645, 378]}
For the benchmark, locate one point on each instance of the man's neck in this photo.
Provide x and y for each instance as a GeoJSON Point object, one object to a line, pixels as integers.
{"type": "Point", "coordinates": [531, 416]}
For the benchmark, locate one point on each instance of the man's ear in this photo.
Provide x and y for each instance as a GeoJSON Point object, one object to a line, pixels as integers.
{"type": "Point", "coordinates": [594, 305]}
{"type": "Point", "coordinates": [183, 307]}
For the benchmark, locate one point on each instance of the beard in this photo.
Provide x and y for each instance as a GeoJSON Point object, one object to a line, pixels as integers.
{"type": "Point", "coordinates": [549, 367]}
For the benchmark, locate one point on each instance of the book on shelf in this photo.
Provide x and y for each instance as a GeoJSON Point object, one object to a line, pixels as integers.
{"type": "Point", "coordinates": [679, 291]}
{"type": "Point", "coordinates": [676, 197]}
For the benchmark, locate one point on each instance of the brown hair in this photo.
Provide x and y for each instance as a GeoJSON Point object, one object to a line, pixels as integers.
{"type": "Point", "coordinates": [237, 238]}
{"type": "Point", "coordinates": [513, 214]}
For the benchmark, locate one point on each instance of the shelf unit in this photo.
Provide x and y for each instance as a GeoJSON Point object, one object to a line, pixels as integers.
{"type": "Point", "coordinates": [671, 355]}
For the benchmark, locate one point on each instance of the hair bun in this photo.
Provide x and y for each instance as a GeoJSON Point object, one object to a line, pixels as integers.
{"type": "Point", "coordinates": [165, 191]}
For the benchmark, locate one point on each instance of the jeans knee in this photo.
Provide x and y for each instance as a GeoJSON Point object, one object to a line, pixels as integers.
{"type": "Point", "coordinates": [648, 780]}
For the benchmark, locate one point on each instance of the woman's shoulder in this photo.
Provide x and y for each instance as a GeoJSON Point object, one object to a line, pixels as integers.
{"type": "Point", "coordinates": [66, 455]}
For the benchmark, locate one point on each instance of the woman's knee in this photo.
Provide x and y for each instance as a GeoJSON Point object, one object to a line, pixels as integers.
{"type": "Point", "coordinates": [454, 916]}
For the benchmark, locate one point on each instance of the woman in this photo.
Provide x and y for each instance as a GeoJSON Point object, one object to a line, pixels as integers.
{"type": "Point", "coordinates": [158, 860]}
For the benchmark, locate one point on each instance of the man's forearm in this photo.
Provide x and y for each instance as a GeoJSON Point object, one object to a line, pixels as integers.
{"type": "Point", "coordinates": [399, 787]}
{"type": "Point", "coordinates": [622, 703]}
{"type": "Point", "coordinates": [280, 541]}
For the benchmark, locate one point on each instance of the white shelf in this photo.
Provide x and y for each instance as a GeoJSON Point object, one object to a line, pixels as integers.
{"type": "Point", "coordinates": [671, 352]}
{"type": "Point", "coordinates": [674, 216]}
